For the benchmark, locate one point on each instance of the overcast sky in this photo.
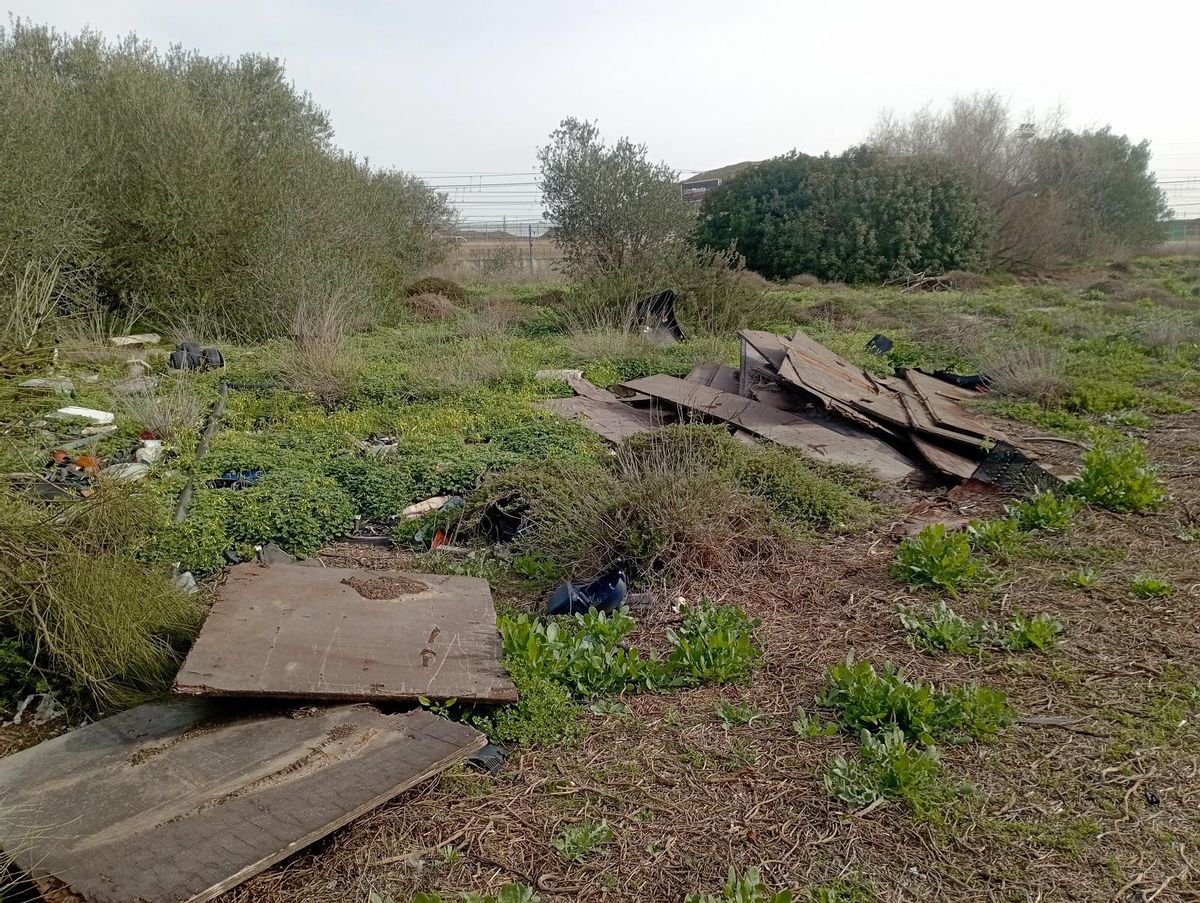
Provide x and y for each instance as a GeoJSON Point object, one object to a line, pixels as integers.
{"type": "Point", "coordinates": [466, 86]}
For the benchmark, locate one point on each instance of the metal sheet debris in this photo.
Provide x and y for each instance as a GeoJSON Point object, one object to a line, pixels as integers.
{"type": "Point", "coordinates": [179, 802]}
{"type": "Point", "coordinates": [348, 634]}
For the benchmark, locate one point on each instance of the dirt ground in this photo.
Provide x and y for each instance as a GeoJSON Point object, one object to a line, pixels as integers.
{"type": "Point", "coordinates": [1094, 794]}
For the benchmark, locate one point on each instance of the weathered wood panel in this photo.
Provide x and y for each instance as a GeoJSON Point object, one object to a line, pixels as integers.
{"type": "Point", "coordinates": [829, 441]}
{"type": "Point", "coordinates": [613, 421]}
{"type": "Point", "coordinates": [178, 802]}
{"type": "Point", "coordinates": [942, 401]}
{"type": "Point", "coordinates": [949, 462]}
{"type": "Point", "coordinates": [588, 389]}
{"type": "Point", "coordinates": [718, 376]}
{"type": "Point", "coordinates": [298, 632]}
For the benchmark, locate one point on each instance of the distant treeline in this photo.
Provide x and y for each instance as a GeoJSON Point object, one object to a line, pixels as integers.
{"type": "Point", "coordinates": [196, 192]}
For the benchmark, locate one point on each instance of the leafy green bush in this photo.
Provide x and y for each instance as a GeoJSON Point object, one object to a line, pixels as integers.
{"type": "Point", "coordinates": [1148, 586]}
{"type": "Point", "coordinates": [300, 511]}
{"type": "Point", "coordinates": [872, 700]}
{"type": "Point", "coordinates": [887, 768]}
{"type": "Point", "coordinates": [156, 179]}
{"type": "Point", "coordinates": [943, 629]}
{"type": "Point", "coordinates": [545, 712]}
{"type": "Point", "coordinates": [997, 535]}
{"type": "Point", "coordinates": [1119, 477]}
{"type": "Point", "coordinates": [1044, 511]}
{"type": "Point", "coordinates": [857, 217]}
{"type": "Point", "coordinates": [807, 725]}
{"type": "Point", "coordinates": [378, 489]}
{"type": "Point", "coordinates": [576, 843]}
{"type": "Point", "coordinates": [938, 558]}
{"type": "Point", "coordinates": [750, 888]}
{"type": "Point", "coordinates": [731, 714]}
{"type": "Point", "coordinates": [585, 654]}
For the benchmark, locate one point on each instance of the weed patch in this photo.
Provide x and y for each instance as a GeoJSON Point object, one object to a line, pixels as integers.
{"type": "Point", "coordinates": [1119, 477]}
{"type": "Point", "coordinates": [1147, 586]}
{"type": "Point", "coordinates": [888, 767]}
{"type": "Point", "coordinates": [1044, 511]}
{"type": "Point", "coordinates": [575, 843]}
{"type": "Point", "coordinates": [944, 630]}
{"type": "Point", "coordinates": [750, 888]}
{"type": "Point", "coordinates": [937, 558]}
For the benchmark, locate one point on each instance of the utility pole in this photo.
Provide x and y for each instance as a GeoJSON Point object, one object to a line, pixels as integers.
{"type": "Point", "coordinates": [531, 247]}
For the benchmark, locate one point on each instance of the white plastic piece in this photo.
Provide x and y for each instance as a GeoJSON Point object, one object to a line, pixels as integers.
{"type": "Point", "coordinates": [100, 417]}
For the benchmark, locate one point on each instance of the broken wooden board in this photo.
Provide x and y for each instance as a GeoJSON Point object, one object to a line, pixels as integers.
{"type": "Point", "coordinates": [348, 634]}
{"type": "Point", "coordinates": [948, 462]}
{"type": "Point", "coordinates": [718, 376]}
{"type": "Point", "coordinates": [942, 401]}
{"type": "Point", "coordinates": [588, 389]}
{"type": "Point", "coordinates": [179, 802]}
{"type": "Point", "coordinates": [922, 422]}
{"type": "Point", "coordinates": [610, 420]}
{"type": "Point", "coordinates": [829, 441]}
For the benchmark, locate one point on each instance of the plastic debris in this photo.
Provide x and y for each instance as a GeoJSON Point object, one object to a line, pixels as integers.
{"type": "Point", "coordinates": [606, 593]}
{"type": "Point", "coordinates": [49, 385]}
{"type": "Point", "coordinates": [558, 375]}
{"type": "Point", "coordinates": [126, 473]}
{"type": "Point", "coordinates": [141, 338]}
{"type": "Point", "coordinates": [100, 417]}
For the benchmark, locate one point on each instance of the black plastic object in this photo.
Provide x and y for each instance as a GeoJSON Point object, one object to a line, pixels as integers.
{"type": "Point", "coordinates": [880, 344]}
{"type": "Point", "coordinates": [491, 758]}
{"type": "Point", "coordinates": [212, 359]}
{"type": "Point", "coordinates": [606, 593]}
{"type": "Point", "coordinates": [977, 382]}
{"type": "Point", "coordinates": [657, 314]}
{"type": "Point", "coordinates": [1010, 468]}
{"type": "Point", "coordinates": [183, 359]}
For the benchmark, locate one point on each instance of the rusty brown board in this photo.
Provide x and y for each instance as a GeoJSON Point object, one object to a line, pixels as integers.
{"type": "Point", "coordinates": [178, 802]}
{"type": "Point", "coordinates": [827, 440]}
{"type": "Point", "coordinates": [718, 376]}
{"type": "Point", "coordinates": [610, 420]}
{"type": "Point", "coordinates": [942, 401]}
{"type": "Point", "coordinates": [949, 462]}
{"type": "Point", "coordinates": [298, 632]}
{"type": "Point", "coordinates": [588, 389]}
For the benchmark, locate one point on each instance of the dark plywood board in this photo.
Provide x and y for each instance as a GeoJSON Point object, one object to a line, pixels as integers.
{"type": "Point", "coordinates": [942, 401]}
{"type": "Point", "coordinates": [923, 422]}
{"type": "Point", "coordinates": [298, 632]}
{"type": "Point", "coordinates": [953, 463]}
{"type": "Point", "coordinates": [718, 376]}
{"type": "Point", "coordinates": [610, 420]}
{"type": "Point", "coordinates": [178, 802]}
{"type": "Point", "coordinates": [830, 441]}
{"type": "Point", "coordinates": [588, 389]}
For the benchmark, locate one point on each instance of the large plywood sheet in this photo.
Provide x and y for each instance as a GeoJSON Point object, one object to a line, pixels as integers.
{"type": "Point", "coordinates": [942, 401]}
{"type": "Point", "coordinates": [613, 420]}
{"type": "Point", "coordinates": [829, 441]}
{"type": "Point", "coordinates": [718, 376]}
{"type": "Point", "coordinates": [336, 634]}
{"type": "Point", "coordinates": [178, 802]}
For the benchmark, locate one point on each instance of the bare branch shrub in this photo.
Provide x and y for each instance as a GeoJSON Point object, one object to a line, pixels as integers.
{"type": "Point", "coordinates": [431, 306]}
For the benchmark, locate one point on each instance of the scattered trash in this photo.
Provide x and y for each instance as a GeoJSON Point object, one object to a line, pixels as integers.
{"type": "Point", "coordinates": [48, 385]}
{"type": "Point", "coordinates": [271, 633]}
{"type": "Point", "coordinates": [151, 451]}
{"type": "Point", "coordinates": [190, 356]}
{"type": "Point", "coordinates": [178, 802]}
{"type": "Point", "coordinates": [235, 479]}
{"type": "Point", "coordinates": [657, 316]}
{"type": "Point", "coordinates": [606, 593]}
{"type": "Point", "coordinates": [186, 582]}
{"type": "Point", "coordinates": [880, 344]}
{"type": "Point", "coordinates": [437, 503]}
{"type": "Point", "coordinates": [1151, 797]}
{"type": "Point", "coordinates": [126, 473]}
{"type": "Point", "coordinates": [491, 758]}
{"type": "Point", "coordinates": [558, 375]}
{"type": "Point", "coordinates": [977, 382]}
{"type": "Point", "coordinates": [73, 411]}
{"type": "Point", "coordinates": [46, 710]}
{"type": "Point", "coordinates": [142, 338]}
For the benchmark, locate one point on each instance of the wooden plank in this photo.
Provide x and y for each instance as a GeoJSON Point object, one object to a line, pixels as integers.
{"type": "Point", "coordinates": [612, 421]}
{"type": "Point", "coordinates": [589, 390]}
{"type": "Point", "coordinates": [718, 376]}
{"type": "Point", "coordinates": [830, 441]}
{"type": "Point", "coordinates": [179, 802]}
{"type": "Point", "coordinates": [922, 422]}
{"type": "Point", "coordinates": [770, 347]}
{"type": "Point", "coordinates": [290, 631]}
{"type": "Point", "coordinates": [943, 459]}
{"type": "Point", "coordinates": [942, 401]}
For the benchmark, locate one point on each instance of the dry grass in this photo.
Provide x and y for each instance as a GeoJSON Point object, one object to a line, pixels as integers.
{"type": "Point", "coordinates": [172, 412]}
{"type": "Point", "coordinates": [430, 306]}
{"type": "Point", "coordinates": [608, 345]}
{"type": "Point", "coordinates": [494, 315]}
{"type": "Point", "coordinates": [804, 280]}
{"type": "Point", "coordinates": [324, 362]}
{"type": "Point", "coordinates": [1028, 372]}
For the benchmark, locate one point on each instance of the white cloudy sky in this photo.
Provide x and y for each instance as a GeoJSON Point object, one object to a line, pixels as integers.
{"type": "Point", "coordinates": [464, 90]}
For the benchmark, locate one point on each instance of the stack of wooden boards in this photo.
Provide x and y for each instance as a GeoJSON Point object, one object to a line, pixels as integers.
{"type": "Point", "coordinates": [178, 801]}
{"type": "Point", "coordinates": [798, 393]}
